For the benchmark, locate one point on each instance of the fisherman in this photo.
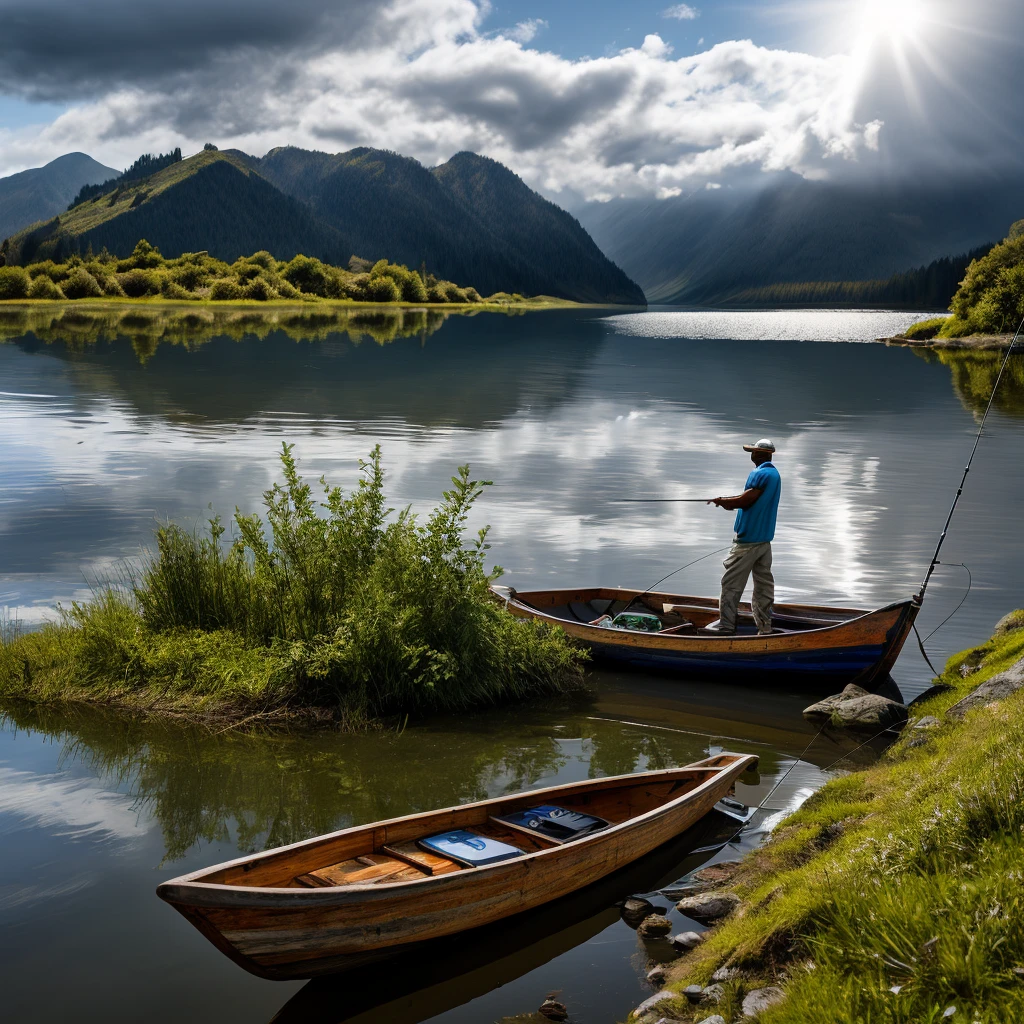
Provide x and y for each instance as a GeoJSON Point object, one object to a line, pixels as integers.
{"type": "Point", "coordinates": [751, 551]}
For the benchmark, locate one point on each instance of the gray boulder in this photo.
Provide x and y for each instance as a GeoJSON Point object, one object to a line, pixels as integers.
{"type": "Point", "coordinates": [725, 974]}
{"type": "Point", "coordinates": [760, 999]}
{"type": "Point", "coordinates": [652, 1001]}
{"type": "Point", "coordinates": [855, 708]}
{"type": "Point", "coordinates": [716, 1018]}
{"type": "Point", "coordinates": [712, 994]}
{"type": "Point", "coordinates": [995, 689]}
{"type": "Point", "coordinates": [928, 722]}
{"type": "Point", "coordinates": [1008, 623]}
{"type": "Point", "coordinates": [656, 976]}
{"type": "Point", "coordinates": [687, 940]}
{"type": "Point", "coordinates": [693, 993]}
{"type": "Point", "coordinates": [709, 906]}
{"type": "Point", "coordinates": [823, 709]}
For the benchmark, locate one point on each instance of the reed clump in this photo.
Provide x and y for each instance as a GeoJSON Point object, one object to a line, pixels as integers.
{"type": "Point", "coordinates": [332, 603]}
{"type": "Point", "coordinates": [894, 894]}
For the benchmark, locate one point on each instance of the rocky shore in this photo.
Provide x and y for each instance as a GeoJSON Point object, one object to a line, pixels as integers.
{"type": "Point", "coordinates": [972, 342]}
{"type": "Point", "coordinates": [893, 893]}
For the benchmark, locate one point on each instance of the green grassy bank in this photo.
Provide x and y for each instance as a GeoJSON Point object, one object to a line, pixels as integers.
{"type": "Point", "coordinates": [333, 609]}
{"type": "Point", "coordinates": [895, 893]}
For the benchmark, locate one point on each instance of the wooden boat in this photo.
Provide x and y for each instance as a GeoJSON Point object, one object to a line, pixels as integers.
{"type": "Point", "coordinates": [345, 899]}
{"type": "Point", "coordinates": [815, 643]}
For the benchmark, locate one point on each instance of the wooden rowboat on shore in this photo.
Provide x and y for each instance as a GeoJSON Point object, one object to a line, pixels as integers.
{"type": "Point", "coordinates": [813, 644]}
{"type": "Point", "coordinates": [345, 899]}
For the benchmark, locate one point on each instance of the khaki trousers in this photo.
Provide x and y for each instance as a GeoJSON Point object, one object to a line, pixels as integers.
{"type": "Point", "coordinates": [742, 560]}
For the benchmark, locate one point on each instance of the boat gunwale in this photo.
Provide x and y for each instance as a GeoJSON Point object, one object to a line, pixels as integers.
{"type": "Point", "coordinates": [190, 890]}
{"type": "Point", "coordinates": [685, 640]}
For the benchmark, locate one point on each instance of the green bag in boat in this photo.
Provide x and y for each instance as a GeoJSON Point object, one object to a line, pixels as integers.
{"type": "Point", "coordinates": [646, 622]}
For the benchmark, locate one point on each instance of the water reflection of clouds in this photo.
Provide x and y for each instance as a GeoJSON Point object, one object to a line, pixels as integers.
{"type": "Point", "coordinates": [554, 480]}
{"type": "Point", "coordinates": [72, 807]}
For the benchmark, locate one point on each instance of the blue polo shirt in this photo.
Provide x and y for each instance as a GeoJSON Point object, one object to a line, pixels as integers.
{"type": "Point", "coordinates": [756, 524]}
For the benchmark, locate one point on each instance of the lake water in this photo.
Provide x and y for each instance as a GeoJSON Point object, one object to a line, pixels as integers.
{"type": "Point", "coordinates": [104, 433]}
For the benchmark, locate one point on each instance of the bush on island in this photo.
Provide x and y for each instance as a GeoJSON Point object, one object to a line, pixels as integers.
{"type": "Point", "coordinates": [44, 287]}
{"type": "Point", "coordinates": [331, 603]}
{"type": "Point", "coordinates": [80, 284]}
{"type": "Point", "coordinates": [309, 275]}
{"type": "Point", "coordinates": [225, 289]}
{"type": "Point", "coordinates": [138, 283]}
{"type": "Point", "coordinates": [990, 299]}
{"type": "Point", "coordinates": [14, 283]}
{"type": "Point", "coordinates": [382, 289]}
{"type": "Point", "coordinates": [259, 289]}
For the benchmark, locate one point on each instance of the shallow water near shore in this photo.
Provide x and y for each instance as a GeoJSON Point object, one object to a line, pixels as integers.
{"type": "Point", "coordinates": [564, 410]}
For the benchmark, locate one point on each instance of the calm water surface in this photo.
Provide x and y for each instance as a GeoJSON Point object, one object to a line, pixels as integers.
{"type": "Point", "coordinates": [564, 411]}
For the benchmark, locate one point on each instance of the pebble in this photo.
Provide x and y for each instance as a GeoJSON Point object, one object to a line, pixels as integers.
{"type": "Point", "coordinates": [693, 993]}
{"type": "Point", "coordinates": [651, 1002]}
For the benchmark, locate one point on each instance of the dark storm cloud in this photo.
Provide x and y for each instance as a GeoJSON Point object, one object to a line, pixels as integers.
{"type": "Point", "coordinates": [70, 49]}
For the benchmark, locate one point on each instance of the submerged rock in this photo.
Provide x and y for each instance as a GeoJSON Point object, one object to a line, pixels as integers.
{"type": "Point", "coordinates": [635, 909]}
{"type": "Point", "coordinates": [760, 999]}
{"type": "Point", "coordinates": [553, 1009]}
{"type": "Point", "coordinates": [654, 927]}
{"type": "Point", "coordinates": [709, 906]}
{"type": "Point", "coordinates": [716, 874]}
{"type": "Point", "coordinates": [995, 689]}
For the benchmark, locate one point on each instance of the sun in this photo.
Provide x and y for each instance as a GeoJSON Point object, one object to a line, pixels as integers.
{"type": "Point", "coordinates": [898, 21]}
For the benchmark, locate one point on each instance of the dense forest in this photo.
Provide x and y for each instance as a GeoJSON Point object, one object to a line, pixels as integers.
{"type": "Point", "coordinates": [259, 277]}
{"type": "Point", "coordinates": [930, 287]}
{"type": "Point", "coordinates": [471, 219]}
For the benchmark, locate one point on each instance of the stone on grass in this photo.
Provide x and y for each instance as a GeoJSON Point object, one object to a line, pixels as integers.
{"type": "Point", "coordinates": [995, 689]}
{"type": "Point", "coordinates": [687, 940]}
{"type": "Point", "coordinates": [654, 926]}
{"type": "Point", "coordinates": [933, 691]}
{"type": "Point", "coordinates": [760, 999]}
{"type": "Point", "coordinates": [928, 722]}
{"type": "Point", "coordinates": [656, 976]}
{"type": "Point", "coordinates": [716, 1018]}
{"type": "Point", "coordinates": [725, 974]}
{"type": "Point", "coordinates": [693, 992]}
{"type": "Point", "coordinates": [712, 994]}
{"type": "Point", "coordinates": [1008, 623]}
{"type": "Point", "coordinates": [652, 1001]}
{"type": "Point", "coordinates": [709, 906]}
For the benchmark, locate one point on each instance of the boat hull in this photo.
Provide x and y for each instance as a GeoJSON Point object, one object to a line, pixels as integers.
{"type": "Point", "coordinates": [286, 933]}
{"type": "Point", "coordinates": [846, 644]}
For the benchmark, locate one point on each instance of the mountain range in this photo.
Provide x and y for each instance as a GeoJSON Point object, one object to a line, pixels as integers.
{"type": "Point", "coordinates": [470, 220]}
{"type": "Point", "coordinates": [43, 192]}
{"type": "Point", "coordinates": [714, 247]}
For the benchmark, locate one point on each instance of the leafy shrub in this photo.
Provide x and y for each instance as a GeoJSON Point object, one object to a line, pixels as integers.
{"type": "Point", "coordinates": [111, 286]}
{"type": "Point", "coordinates": [382, 289]}
{"type": "Point", "coordinates": [190, 276]}
{"type": "Point", "coordinates": [47, 267]}
{"type": "Point", "coordinates": [138, 283]}
{"type": "Point", "coordinates": [144, 256]}
{"type": "Point", "coordinates": [14, 283]}
{"type": "Point", "coordinates": [355, 287]}
{"type": "Point", "coordinates": [286, 290]}
{"type": "Point", "coordinates": [357, 610]}
{"type": "Point", "coordinates": [225, 289]}
{"type": "Point", "coordinates": [172, 290]}
{"type": "Point", "coordinates": [262, 259]}
{"type": "Point", "coordinates": [44, 287]}
{"type": "Point", "coordinates": [259, 288]}
{"type": "Point", "coordinates": [80, 284]}
{"type": "Point", "coordinates": [990, 299]}
{"type": "Point", "coordinates": [309, 275]}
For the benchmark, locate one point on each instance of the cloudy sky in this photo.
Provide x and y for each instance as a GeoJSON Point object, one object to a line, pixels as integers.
{"type": "Point", "coordinates": [588, 98]}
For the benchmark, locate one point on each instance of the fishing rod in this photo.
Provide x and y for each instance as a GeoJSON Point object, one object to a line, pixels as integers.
{"type": "Point", "coordinates": [919, 597]}
{"type": "Point", "coordinates": [622, 501]}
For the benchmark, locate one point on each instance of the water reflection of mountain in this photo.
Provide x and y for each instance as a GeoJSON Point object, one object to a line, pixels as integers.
{"type": "Point", "coordinates": [465, 371]}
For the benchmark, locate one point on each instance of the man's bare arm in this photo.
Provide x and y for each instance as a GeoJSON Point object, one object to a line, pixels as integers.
{"type": "Point", "coordinates": [744, 500]}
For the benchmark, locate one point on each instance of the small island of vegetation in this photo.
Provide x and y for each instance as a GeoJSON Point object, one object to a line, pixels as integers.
{"type": "Point", "coordinates": [990, 299]}
{"type": "Point", "coordinates": [335, 610]}
{"type": "Point", "coordinates": [200, 277]}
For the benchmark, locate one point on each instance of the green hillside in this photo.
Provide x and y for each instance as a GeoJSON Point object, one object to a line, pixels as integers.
{"type": "Point", "coordinates": [213, 201]}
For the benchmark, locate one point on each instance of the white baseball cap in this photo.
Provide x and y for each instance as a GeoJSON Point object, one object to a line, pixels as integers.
{"type": "Point", "coordinates": [764, 445]}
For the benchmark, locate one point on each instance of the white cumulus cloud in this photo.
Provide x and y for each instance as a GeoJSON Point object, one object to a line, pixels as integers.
{"type": "Point", "coordinates": [681, 12]}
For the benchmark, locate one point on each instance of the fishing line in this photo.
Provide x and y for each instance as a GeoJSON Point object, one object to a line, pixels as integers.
{"type": "Point", "coordinates": [977, 440]}
{"type": "Point", "coordinates": [717, 551]}
{"type": "Point", "coordinates": [967, 593]}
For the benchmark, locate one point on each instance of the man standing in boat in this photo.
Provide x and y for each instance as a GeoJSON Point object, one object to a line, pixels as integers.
{"type": "Point", "coordinates": [751, 552]}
